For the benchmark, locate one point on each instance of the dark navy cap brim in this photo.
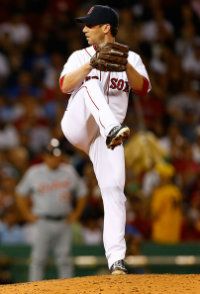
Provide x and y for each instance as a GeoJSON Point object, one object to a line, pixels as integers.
{"type": "Point", "coordinates": [85, 20]}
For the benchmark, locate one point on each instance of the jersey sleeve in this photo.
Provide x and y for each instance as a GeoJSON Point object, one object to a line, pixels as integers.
{"type": "Point", "coordinates": [136, 61]}
{"type": "Point", "coordinates": [24, 187]}
{"type": "Point", "coordinates": [72, 63]}
{"type": "Point", "coordinates": [80, 188]}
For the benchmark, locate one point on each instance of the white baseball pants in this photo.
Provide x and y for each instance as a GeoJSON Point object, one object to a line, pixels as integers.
{"type": "Point", "coordinates": [86, 123]}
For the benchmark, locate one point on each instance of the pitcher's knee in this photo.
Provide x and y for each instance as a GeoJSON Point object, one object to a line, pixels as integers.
{"type": "Point", "coordinates": [113, 193]}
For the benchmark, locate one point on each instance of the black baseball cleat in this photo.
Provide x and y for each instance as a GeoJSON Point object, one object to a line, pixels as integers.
{"type": "Point", "coordinates": [118, 268]}
{"type": "Point", "coordinates": [117, 136]}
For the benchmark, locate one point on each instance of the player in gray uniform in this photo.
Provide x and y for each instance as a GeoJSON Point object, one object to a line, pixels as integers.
{"type": "Point", "coordinates": [51, 185]}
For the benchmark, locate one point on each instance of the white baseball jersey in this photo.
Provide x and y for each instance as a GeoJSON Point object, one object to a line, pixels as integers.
{"type": "Point", "coordinates": [115, 84]}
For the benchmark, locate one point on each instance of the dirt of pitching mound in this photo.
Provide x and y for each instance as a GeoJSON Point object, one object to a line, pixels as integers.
{"type": "Point", "coordinates": [107, 284]}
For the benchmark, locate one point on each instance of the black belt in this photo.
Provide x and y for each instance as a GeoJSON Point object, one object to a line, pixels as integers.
{"type": "Point", "coordinates": [54, 218]}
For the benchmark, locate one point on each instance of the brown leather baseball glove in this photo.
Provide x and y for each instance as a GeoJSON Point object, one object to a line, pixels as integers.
{"type": "Point", "coordinates": [110, 57]}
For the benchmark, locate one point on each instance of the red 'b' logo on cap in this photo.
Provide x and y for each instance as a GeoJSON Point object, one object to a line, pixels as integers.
{"type": "Point", "coordinates": [90, 10]}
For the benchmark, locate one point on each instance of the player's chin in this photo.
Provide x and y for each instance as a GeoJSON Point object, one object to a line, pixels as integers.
{"type": "Point", "coordinates": [90, 42]}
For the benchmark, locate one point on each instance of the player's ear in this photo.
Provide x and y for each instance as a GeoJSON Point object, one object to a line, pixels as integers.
{"type": "Point", "coordinates": [106, 28]}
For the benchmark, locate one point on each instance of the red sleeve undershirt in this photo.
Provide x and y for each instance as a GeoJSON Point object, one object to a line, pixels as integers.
{"type": "Point", "coordinates": [61, 82]}
{"type": "Point", "coordinates": [144, 89]}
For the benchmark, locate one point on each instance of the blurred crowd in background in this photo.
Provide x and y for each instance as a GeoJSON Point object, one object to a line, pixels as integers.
{"type": "Point", "coordinates": [163, 191]}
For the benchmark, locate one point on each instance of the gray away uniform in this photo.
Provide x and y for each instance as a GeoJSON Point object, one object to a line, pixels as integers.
{"type": "Point", "coordinates": [51, 194]}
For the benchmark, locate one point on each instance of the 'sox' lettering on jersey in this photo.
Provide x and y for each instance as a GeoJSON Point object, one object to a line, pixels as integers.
{"type": "Point", "coordinates": [47, 187]}
{"type": "Point", "coordinates": [119, 84]}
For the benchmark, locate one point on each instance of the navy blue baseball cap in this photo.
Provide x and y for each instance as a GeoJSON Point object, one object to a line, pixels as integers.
{"type": "Point", "coordinates": [100, 14]}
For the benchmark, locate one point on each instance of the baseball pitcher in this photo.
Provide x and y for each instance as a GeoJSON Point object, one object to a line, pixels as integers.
{"type": "Point", "coordinates": [99, 79]}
